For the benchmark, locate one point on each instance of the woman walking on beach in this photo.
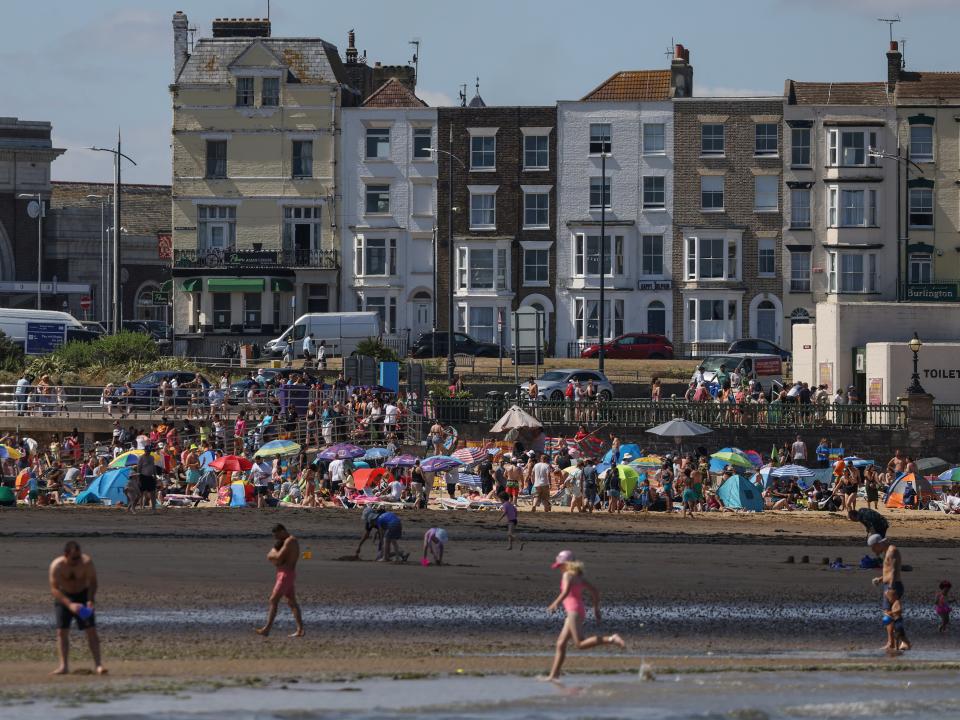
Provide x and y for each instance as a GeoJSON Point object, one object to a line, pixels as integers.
{"type": "Point", "coordinates": [572, 586]}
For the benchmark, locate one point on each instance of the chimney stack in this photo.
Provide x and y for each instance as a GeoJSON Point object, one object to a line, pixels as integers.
{"type": "Point", "coordinates": [894, 65]}
{"type": "Point", "coordinates": [351, 48]}
{"type": "Point", "coordinates": [180, 53]}
{"type": "Point", "coordinates": [681, 73]}
{"type": "Point", "coordinates": [241, 27]}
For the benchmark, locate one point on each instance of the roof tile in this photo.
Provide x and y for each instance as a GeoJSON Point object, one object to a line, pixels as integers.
{"type": "Point", "coordinates": [145, 209]}
{"type": "Point", "coordinates": [393, 94]}
{"type": "Point", "coordinates": [929, 85]}
{"type": "Point", "coordinates": [633, 85]}
{"type": "Point", "coordinates": [840, 93]}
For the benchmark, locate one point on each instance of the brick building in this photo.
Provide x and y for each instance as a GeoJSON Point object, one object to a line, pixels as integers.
{"type": "Point", "coordinates": [504, 219]}
{"type": "Point", "coordinates": [727, 220]}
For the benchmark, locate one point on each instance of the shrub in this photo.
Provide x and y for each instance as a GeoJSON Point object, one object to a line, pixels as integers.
{"type": "Point", "coordinates": [11, 355]}
{"type": "Point", "coordinates": [376, 349]}
{"type": "Point", "coordinates": [125, 347]}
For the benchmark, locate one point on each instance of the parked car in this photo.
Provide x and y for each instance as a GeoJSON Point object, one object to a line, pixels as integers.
{"type": "Point", "coordinates": [154, 328]}
{"type": "Point", "coordinates": [762, 347]}
{"type": "Point", "coordinates": [552, 384]}
{"type": "Point", "coordinates": [434, 344]}
{"type": "Point", "coordinates": [94, 326]}
{"type": "Point", "coordinates": [633, 346]}
{"type": "Point", "coordinates": [237, 393]}
{"type": "Point", "coordinates": [147, 388]}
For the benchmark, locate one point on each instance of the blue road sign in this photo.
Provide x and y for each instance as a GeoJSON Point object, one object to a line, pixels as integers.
{"type": "Point", "coordinates": [44, 338]}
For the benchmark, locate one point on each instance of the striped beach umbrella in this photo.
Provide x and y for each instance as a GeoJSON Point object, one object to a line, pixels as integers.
{"type": "Point", "coordinates": [439, 463]}
{"type": "Point", "coordinates": [131, 458]}
{"type": "Point", "coordinates": [470, 455]}
{"type": "Point", "coordinates": [277, 447]}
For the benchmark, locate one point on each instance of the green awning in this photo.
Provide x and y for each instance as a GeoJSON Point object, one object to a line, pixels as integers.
{"type": "Point", "coordinates": [192, 285]}
{"type": "Point", "coordinates": [235, 284]}
{"type": "Point", "coordinates": [166, 286]}
{"type": "Point", "coordinates": [281, 285]}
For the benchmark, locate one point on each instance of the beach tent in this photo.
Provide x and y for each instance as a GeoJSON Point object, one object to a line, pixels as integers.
{"type": "Point", "coordinates": [238, 494]}
{"type": "Point", "coordinates": [738, 493]}
{"type": "Point", "coordinates": [631, 449]}
{"type": "Point", "coordinates": [894, 497]}
{"type": "Point", "coordinates": [110, 487]}
{"type": "Point", "coordinates": [370, 476]}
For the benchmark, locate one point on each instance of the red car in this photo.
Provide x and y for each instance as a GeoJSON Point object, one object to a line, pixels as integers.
{"type": "Point", "coordinates": [634, 346]}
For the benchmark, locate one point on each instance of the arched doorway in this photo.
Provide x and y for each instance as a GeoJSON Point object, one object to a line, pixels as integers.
{"type": "Point", "coordinates": [422, 319]}
{"type": "Point", "coordinates": [144, 307]}
{"type": "Point", "coordinates": [800, 316]}
{"type": "Point", "coordinates": [767, 321]}
{"type": "Point", "coordinates": [657, 318]}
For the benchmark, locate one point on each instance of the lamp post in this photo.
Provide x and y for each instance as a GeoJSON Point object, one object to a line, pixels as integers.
{"type": "Point", "coordinates": [103, 256]}
{"type": "Point", "coordinates": [117, 156]}
{"type": "Point", "coordinates": [915, 387]}
{"type": "Point", "coordinates": [451, 364]}
{"type": "Point", "coordinates": [39, 199]}
{"type": "Point", "coordinates": [601, 353]}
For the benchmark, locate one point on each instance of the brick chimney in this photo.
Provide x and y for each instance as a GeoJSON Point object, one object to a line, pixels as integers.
{"type": "Point", "coordinates": [241, 27]}
{"type": "Point", "coordinates": [351, 48]}
{"type": "Point", "coordinates": [681, 73]}
{"type": "Point", "coordinates": [894, 65]}
{"type": "Point", "coordinates": [180, 53]}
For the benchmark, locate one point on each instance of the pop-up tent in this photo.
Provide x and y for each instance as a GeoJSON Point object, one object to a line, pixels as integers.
{"type": "Point", "coordinates": [921, 485]}
{"type": "Point", "coordinates": [107, 487]}
{"type": "Point", "coordinates": [738, 493]}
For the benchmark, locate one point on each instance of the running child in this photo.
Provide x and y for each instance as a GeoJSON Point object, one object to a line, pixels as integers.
{"type": "Point", "coordinates": [572, 586]}
{"type": "Point", "coordinates": [510, 513]}
{"type": "Point", "coordinates": [434, 540]}
{"type": "Point", "coordinates": [942, 608]}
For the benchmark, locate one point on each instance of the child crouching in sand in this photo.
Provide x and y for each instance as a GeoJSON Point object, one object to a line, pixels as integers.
{"type": "Point", "coordinates": [572, 586]}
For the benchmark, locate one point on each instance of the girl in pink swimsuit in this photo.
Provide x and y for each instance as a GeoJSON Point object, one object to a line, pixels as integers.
{"type": "Point", "coordinates": [572, 586]}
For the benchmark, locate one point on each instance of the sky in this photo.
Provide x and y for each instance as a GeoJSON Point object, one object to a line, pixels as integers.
{"type": "Point", "coordinates": [94, 66]}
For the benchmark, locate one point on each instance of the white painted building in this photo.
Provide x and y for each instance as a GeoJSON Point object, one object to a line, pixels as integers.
{"type": "Point", "coordinates": [629, 117]}
{"type": "Point", "coordinates": [389, 185]}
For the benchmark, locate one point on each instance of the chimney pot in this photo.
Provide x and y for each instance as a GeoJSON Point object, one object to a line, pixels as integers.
{"type": "Point", "coordinates": [894, 46]}
{"type": "Point", "coordinates": [678, 51]}
{"type": "Point", "coordinates": [686, 55]}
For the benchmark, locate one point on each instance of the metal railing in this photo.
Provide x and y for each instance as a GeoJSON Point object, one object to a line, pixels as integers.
{"type": "Point", "coordinates": [946, 415]}
{"type": "Point", "coordinates": [234, 258]}
{"type": "Point", "coordinates": [681, 351]}
{"type": "Point", "coordinates": [646, 413]}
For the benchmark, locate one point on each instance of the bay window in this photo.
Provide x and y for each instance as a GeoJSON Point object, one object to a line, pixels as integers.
{"type": "Point", "coordinates": [711, 319]}
{"type": "Point", "coordinates": [587, 318]}
{"type": "Point", "coordinates": [586, 260]}
{"type": "Point", "coordinates": [375, 257]}
{"type": "Point", "coordinates": [852, 272]}
{"type": "Point", "coordinates": [482, 269]}
{"type": "Point", "coordinates": [851, 208]}
{"type": "Point", "coordinates": [713, 258]}
{"type": "Point", "coordinates": [851, 148]}
{"type": "Point", "coordinates": [386, 308]}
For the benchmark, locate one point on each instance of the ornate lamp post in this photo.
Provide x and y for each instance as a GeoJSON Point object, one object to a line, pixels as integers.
{"type": "Point", "coordinates": [915, 387]}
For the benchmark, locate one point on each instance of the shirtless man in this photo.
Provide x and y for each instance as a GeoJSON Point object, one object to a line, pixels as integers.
{"type": "Point", "coordinates": [892, 590]}
{"type": "Point", "coordinates": [896, 466]}
{"type": "Point", "coordinates": [73, 584]}
{"type": "Point", "coordinates": [284, 554]}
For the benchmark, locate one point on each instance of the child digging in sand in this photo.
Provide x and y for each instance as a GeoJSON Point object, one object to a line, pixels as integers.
{"type": "Point", "coordinates": [572, 586]}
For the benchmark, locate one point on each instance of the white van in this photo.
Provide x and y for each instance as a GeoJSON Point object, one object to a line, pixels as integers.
{"type": "Point", "coordinates": [765, 369]}
{"type": "Point", "coordinates": [13, 322]}
{"type": "Point", "coordinates": [342, 331]}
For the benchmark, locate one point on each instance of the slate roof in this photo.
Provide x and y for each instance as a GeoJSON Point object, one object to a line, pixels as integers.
{"type": "Point", "coordinates": [929, 85]}
{"type": "Point", "coordinates": [837, 93]}
{"type": "Point", "coordinates": [144, 209]}
{"type": "Point", "coordinates": [309, 60]}
{"type": "Point", "coordinates": [393, 94]}
{"type": "Point", "coordinates": [633, 85]}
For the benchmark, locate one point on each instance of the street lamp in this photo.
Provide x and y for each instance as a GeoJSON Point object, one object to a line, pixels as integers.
{"type": "Point", "coordinates": [601, 353]}
{"type": "Point", "coordinates": [451, 364]}
{"type": "Point", "coordinates": [39, 199]}
{"type": "Point", "coordinates": [915, 387]}
{"type": "Point", "coordinates": [117, 155]}
{"type": "Point", "coordinates": [103, 257]}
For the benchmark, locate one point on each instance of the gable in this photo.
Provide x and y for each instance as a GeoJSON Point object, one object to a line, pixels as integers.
{"type": "Point", "coordinates": [256, 55]}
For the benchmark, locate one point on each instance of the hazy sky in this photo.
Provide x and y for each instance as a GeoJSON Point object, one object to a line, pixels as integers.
{"type": "Point", "coordinates": [90, 66]}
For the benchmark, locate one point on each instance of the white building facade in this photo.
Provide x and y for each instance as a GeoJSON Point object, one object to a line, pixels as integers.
{"type": "Point", "coordinates": [389, 185]}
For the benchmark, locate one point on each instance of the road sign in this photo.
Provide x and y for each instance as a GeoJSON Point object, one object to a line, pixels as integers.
{"type": "Point", "coordinates": [44, 337]}
{"type": "Point", "coordinates": [160, 298]}
{"type": "Point", "coordinates": [85, 302]}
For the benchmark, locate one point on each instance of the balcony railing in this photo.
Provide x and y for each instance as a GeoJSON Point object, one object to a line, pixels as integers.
{"type": "Point", "coordinates": [233, 258]}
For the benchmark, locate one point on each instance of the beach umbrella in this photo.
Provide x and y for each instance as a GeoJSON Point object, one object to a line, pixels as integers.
{"type": "Point", "coordinates": [233, 463]}
{"type": "Point", "coordinates": [515, 419]}
{"type": "Point", "coordinates": [439, 463]}
{"type": "Point", "coordinates": [629, 477]}
{"type": "Point", "coordinates": [858, 462]}
{"type": "Point", "coordinates": [470, 480]}
{"type": "Point", "coordinates": [9, 453]}
{"type": "Point", "coordinates": [950, 476]}
{"type": "Point", "coordinates": [341, 451]}
{"type": "Point", "coordinates": [797, 471]}
{"type": "Point", "coordinates": [651, 462]}
{"type": "Point", "coordinates": [470, 455]}
{"type": "Point", "coordinates": [361, 464]}
{"type": "Point", "coordinates": [678, 428]}
{"type": "Point", "coordinates": [277, 447]}
{"type": "Point", "coordinates": [377, 453]}
{"type": "Point", "coordinates": [732, 457]}
{"type": "Point", "coordinates": [754, 457]}
{"type": "Point", "coordinates": [132, 457]}
{"type": "Point", "coordinates": [404, 460]}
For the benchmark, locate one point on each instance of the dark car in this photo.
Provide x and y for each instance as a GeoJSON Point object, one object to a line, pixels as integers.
{"type": "Point", "coordinates": [764, 347]}
{"type": "Point", "coordinates": [432, 344]}
{"type": "Point", "coordinates": [147, 388]}
{"type": "Point", "coordinates": [634, 346]}
{"type": "Point", "coordinates": [237, 393]}
{"type": "Point", "coordinates": [154, 328]}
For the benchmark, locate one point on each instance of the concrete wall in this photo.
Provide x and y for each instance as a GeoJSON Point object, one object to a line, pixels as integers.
{"type": "Point", "coordinates": [890, 367]}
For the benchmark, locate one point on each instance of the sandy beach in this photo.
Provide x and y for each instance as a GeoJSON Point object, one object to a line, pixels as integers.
{"type": "Point", "coordinates": [180, 592]}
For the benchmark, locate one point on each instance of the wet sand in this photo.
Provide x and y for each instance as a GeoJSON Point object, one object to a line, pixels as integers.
{"type": "Point", "coordinates": [180, 592]}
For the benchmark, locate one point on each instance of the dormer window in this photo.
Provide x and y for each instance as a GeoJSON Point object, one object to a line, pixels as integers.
{"type": "Point", "coordinates": [245, 92]}
{"type": "Point", "coordinates": [270, 92]}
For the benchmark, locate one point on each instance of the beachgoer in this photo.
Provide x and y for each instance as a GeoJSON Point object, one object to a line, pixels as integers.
{"type": "Point", "coordinates": [284, 555]}
{"type": "Point", "coordinates": [510, 515]}
{"type": "Point", "coordinates": [892, 590]}
{"type": "Point", "coordinates": [541, 484]}
{"type": "Point", "coordinates": [434, 541]}
{"type": "Point", "coordinates": [942, 607]}
{"type": "Point", "coordinates": [147, 479]}
{"type": "Point", "coordinates": [874, 522]}
{"type": "Point", "coordinates": [572, 586]}
{"type": "Point", "coordinates": [73, 584]}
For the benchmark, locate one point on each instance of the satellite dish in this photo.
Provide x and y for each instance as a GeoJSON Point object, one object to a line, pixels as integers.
{"type": "Point", "coordinates": [33, 209]}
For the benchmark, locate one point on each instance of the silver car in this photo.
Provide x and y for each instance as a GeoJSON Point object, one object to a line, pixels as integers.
{"type": "Point", "coordinates": [552, 384]}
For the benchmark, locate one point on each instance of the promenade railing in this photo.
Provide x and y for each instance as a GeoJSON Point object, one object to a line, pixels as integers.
{"type": "Point", "coordinates": [946, 415]}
